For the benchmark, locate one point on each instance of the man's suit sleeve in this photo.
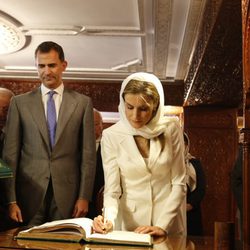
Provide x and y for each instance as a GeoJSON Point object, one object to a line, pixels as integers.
{"type": "Point", "coordinates": [11, 148]}
{"type": "Point", "coordinates": [88, 164]}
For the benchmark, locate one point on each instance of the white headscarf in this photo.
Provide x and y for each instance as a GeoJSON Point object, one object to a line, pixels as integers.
{"type": "Point", "coordinates": [158, 124]}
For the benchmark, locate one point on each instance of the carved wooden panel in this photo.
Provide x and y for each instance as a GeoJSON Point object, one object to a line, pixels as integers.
{"type": "Point", "coordinates": [213, 137]}
{"type": "Point", "coordinates": [210, 14]}
{"type": "Point", "coordinates": [246, 130]}
{"type": "Point", "coordinates": [104, 94]}
{"type": "Point", "coordinates": [215, 75]}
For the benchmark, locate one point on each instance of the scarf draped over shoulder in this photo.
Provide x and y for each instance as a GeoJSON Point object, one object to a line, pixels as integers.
{"type": "Point", "coordinates": [158, 124]}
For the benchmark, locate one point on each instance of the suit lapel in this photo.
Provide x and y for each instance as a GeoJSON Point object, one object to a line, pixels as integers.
{"type": "Point", "coordinates": [128, 143]}
{"type": "Point", "coordinates": [67, 108]}
{"type": "Point", "coordinates": [154, 153]}
{"type": "Point", "coordinates": [38, 114]}
{"type": "Point", "coordinates": [129, 147]}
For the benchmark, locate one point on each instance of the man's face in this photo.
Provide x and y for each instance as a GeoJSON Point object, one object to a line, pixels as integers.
{"type": "Point", "coordinates": [50, 68]}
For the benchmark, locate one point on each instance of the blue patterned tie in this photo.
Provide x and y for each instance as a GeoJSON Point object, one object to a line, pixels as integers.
{"type": "Point", "coordinates": [51, 117]}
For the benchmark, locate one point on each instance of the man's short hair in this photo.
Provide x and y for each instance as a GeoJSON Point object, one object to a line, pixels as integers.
{"type": "Point", "coordinates": [47, 46]}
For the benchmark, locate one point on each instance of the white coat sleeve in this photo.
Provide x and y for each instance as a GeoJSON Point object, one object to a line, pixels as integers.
{"type": "Point", "coordinates": [174, 202]}
{"type": "Point", "coordinates": [112, 190]}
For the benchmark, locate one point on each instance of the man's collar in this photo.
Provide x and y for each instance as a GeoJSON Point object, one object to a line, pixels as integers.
{"type": "Point", "coordinates": [58, 90]}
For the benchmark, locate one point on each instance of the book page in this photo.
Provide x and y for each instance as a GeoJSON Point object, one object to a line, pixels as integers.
{"type": "Point", "coordinates": [85, 224]}
{"type": "Point", "coordinates": [99, 246]}
{"type": "Point", "coordinates": [122, 237]}
{"type": "Point", "coordinates": [5, 171]}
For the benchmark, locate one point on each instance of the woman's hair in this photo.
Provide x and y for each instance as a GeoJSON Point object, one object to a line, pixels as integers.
{"type": "Point", "coordinates": [146, 89]}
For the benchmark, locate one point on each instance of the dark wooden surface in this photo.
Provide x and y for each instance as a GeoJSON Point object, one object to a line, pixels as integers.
{"type": "Point", "coordinates": [7, 241]}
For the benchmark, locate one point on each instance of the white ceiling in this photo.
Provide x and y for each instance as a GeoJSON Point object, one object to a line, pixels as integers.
{"type": "Point", "coordinates": [114, 37]}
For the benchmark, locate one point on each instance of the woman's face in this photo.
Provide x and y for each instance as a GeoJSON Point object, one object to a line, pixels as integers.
{"type": "Point", "coordinates": [138, 109]}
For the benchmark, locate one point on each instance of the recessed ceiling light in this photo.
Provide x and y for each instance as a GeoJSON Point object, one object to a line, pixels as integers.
{"type": "Point", "coordinates": [11, 38]}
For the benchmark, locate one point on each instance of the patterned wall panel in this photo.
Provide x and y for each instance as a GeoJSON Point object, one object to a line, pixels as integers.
{"type": "Point", "coordinates": [104, 94]}
{"type": "Point", "coordinates": [246, 130]}
{"type": "Point", "coordinates": [217, 61]}
{"type": "Point", "coordinates": [213, 137]}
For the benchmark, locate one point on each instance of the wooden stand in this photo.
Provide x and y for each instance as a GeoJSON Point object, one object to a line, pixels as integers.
{"type": "Point", "coordinates": [224, 236]}
{"type": "Point", "coordinates": [246, 123]}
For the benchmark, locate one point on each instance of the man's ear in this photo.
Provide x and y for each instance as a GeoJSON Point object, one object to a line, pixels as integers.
{"type": "Point", "coordinates": [65, 64]}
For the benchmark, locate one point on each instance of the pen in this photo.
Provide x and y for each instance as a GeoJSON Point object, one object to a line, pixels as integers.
{"type": "Point", "coordinates": [104, 218]}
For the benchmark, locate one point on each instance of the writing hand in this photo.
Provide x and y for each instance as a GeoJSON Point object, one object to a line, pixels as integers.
{"type": "Point", "coordinates": [101, 226]}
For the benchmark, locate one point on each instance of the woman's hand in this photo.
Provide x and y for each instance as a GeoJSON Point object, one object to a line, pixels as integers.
{"type": "Point", "coordinates": [152, 230]}
{"type": "Point", "coordinates": [101, 226]}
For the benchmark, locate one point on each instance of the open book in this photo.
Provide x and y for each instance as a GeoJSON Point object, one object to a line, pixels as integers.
{"type": "Point", "coordinates": [80, 229]}
{"type": "Point", "coordinates": [5, 171]}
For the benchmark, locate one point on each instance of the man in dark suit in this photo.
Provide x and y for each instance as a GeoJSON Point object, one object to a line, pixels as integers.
{"type": "Point", "coordinates": [97, 198]}
{"type": "Point", "coordinates": [54, 169]}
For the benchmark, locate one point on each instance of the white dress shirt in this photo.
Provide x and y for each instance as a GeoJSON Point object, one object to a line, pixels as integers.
{"type": "Point", "coordinates": [57, 98]}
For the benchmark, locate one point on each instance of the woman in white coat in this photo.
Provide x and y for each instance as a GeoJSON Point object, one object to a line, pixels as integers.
{"type": "Point", "coordinates": [143, 160]}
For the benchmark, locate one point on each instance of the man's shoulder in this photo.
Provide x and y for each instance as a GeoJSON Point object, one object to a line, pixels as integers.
{"type": "Point", "coordinates": [118, 130]}
{"type": "Point", "coordinates": [27, 95]}
{"type": "Point", "coordinates": [75, 93]}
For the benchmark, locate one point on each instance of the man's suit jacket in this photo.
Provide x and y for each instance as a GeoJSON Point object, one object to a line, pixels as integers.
{"type": "Point", "coordinates": [138, 194]}
{"type": "Point", "coordinates": [70, 164]}
{"type": "Point", "coordinates": [96, 204]}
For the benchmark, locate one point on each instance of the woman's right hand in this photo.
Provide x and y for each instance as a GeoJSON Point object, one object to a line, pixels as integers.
{"type": "Point", "coordinates": [101, 226]}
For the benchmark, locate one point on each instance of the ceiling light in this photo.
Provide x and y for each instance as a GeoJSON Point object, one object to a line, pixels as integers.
{"type": "Point", "coordinates": [52, 30]}
{"type": "Point", "coordinates": [127, 64]}
{"type": "Point", "coordinates": [11, 39]}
